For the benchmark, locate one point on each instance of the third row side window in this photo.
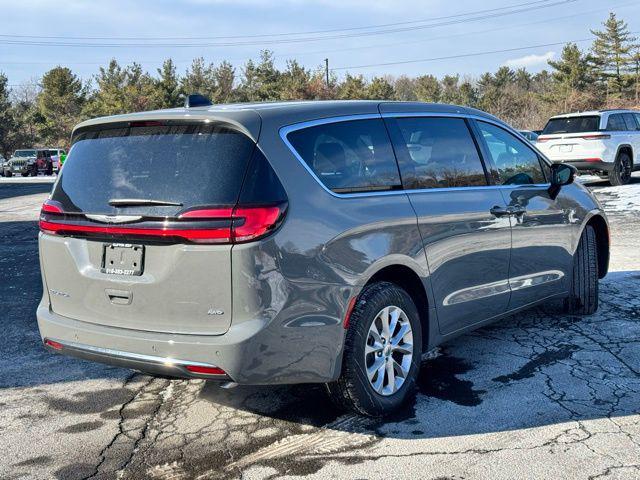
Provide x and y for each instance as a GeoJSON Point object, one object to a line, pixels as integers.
{"type": "Point", "coordinates": [438, 153]}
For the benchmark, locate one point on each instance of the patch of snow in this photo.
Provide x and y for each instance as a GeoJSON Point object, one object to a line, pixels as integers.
{"type": "Point", "coordinates": [625, 198]}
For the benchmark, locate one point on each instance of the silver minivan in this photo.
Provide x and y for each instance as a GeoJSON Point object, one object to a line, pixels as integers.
{"type": "Point", "coordinates": [306, 242]}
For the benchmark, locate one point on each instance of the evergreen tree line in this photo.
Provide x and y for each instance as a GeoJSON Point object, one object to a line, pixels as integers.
{"type": "Point", "coordinates": [606, 75]}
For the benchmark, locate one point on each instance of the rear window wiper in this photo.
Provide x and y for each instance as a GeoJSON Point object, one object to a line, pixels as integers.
{"type": "Point", "coordinates": [134, 202]}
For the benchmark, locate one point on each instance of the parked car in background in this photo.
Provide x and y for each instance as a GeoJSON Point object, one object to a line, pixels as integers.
{"type": "Point", "coordinates": [529, 135]}
{"type": "Point", "coordinates": [603, 142]}
{"type": "Point", "coordinates": [306, 242]}
{"type": "Point", "coordinates": [4, 164]}
{"type": "Point", "coordinates": [30, 162]}
{"type": "Point", "coordinates": [56, 154]}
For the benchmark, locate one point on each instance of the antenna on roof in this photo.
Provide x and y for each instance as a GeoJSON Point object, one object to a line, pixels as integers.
{"type": "Point", "coordinates": [196, 100]}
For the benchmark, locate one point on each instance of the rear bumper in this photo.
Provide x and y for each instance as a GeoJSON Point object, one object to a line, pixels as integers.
{"type": "Point", "coordinates": [145, 363]}
{"type": "Point", "coordinates": [585, 166]}
{"type": "Point", "coordinates": [252, 352]}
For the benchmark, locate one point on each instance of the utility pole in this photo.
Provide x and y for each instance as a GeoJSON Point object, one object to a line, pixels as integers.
{"type": "Point", "coordinates": [326, 70]}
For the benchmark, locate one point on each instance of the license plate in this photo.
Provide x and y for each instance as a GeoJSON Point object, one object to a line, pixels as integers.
{"type": "Point", "coordinates": [566, 148]}
{"type": "Point", "coordinates": [122, 259]}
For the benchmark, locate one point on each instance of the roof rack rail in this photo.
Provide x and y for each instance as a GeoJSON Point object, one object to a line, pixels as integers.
{"type": "Point", "coordinates": [197, 100]}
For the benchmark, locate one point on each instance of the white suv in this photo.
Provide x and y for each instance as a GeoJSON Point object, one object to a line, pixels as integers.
{"type": "Point", "coordinates": [602, 142]}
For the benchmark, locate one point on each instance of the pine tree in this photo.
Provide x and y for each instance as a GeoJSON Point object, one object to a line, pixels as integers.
{"type": "Point", "coordinates": [224, 76]}
{"type": "Point", "coordinates": [295, 82]}
{"type": "Point", "coordinates": [60, 103]}
{"type": "Point", "coordinates": [199, 78]}
{"type": "Point", "coordinates": [571, 75]}
{"type": "Point", "coordinates": [611, 54]}
{"type": "Point", "coordinates": [167, 86]}
{"type": "Point", "coordinates": [352, 88]}
{"type": "Point", "coordinates": [379, 89]}
{"type": "Point", "coordinates": [405, 89]}
{"type": "Point", "coordinates": [428, 88]}
{"type": "Point", "coordinates": [7, 125]}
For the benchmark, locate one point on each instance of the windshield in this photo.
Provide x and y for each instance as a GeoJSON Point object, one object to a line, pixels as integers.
{"type": "Point", "coordinates": [25, 153]}
{"type": "Point", "coordinates": [572, 125]}
{"type": "Point", "coordinates": [180, 166]}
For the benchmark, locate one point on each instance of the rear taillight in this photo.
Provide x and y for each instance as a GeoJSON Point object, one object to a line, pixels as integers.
{"type": "Point", "coordinates": [542, 139]}
{"type": "Point", "coordinates": [247, 223]}
{"type": "Point", "coordinates": [598, 136]}
{"type": "Point", "coordinates": [593, 160]}
{"type": "Point", "coordinates": [205, 225]}
{"type": "Point", "coordinates": [250, 223]}
{"type": "Point", "coordinates": [51, 206]}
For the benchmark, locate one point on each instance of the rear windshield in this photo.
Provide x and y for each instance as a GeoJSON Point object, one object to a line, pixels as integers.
{"type": "Point", "coordinates": [572, 125]}
{"type": "Point", "coordinates": [190, 165]}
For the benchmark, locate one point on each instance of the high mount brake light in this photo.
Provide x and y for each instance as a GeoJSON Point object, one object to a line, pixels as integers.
{"type": "Point", "coordinates": [244, 223]}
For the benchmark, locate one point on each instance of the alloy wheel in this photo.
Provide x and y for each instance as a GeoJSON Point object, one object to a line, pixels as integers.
{"type": "Point", "coordinates": [389, 350]}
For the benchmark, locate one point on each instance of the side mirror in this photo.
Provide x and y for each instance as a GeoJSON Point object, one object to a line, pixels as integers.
{"type": "Point", "coordinates": [562, 174]}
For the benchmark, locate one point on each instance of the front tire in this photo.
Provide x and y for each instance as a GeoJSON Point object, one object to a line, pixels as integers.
{"type": "Point", "coordinates": [622, 168]}
{"type": "Point", "coordinates": [583, 299]}
{"type": "Point", "coordinates": [382, 352]}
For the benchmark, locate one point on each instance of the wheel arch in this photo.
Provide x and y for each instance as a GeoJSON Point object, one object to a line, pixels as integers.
{"type": "Point", "coordinates": [409, 280]}
{"type": "Point", "coordinates": [601, 228]}
{"type": "Point", "coordinates": [626, 148]}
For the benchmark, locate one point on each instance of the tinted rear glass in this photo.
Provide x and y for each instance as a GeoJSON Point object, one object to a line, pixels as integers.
{"type": "Point", "coordinates": [616, 123]}
{"type": "Point", "coordinates": [438, 153]}
{"type": "Point", "coordinates": [195, 165]}
{"type": "Point", "coordinates": [352, 156]}
{"type": "Point", "coordinates": [572, 125]}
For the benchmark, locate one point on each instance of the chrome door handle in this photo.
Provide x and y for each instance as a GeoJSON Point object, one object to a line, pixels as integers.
{"type": "Point", "coordinates": [510, 210]}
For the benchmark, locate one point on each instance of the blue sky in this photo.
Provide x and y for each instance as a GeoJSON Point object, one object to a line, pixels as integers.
{"type": "Point", "coordinates": [551, 21]}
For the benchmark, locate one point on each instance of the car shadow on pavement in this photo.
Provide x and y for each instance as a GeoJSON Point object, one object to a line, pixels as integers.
{"type": "Point", "coordinates": [532, 369]}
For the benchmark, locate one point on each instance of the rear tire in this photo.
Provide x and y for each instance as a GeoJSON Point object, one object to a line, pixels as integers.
{"type": "Point", "coordinates": [583, 299]}
{"type": "Point", "coordinates": [621, 172]}
{"type": "Point", "coordinates": [368, 395]}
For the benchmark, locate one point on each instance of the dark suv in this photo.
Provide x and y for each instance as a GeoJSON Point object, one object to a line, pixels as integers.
{"type": "Point", "coordinates": [332, 242]}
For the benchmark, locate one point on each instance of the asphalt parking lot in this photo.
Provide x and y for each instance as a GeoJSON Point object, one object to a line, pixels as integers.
{"type": "Point", "coordinates": [539, 395]}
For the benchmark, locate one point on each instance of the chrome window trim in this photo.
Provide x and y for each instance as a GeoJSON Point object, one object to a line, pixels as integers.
{"type": "Point", "coordinates": [284, 131]}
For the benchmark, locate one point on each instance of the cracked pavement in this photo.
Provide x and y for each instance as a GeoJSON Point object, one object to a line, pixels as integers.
{"type": "Point", "coordinates": [539, 395]}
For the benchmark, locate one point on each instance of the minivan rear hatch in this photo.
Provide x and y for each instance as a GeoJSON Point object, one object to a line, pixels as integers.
{"type": "Point", "coordinates": [139, 228]}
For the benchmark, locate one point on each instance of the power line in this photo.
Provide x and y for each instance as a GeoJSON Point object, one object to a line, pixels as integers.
{"type": "Point", "coordinates": [283, 41]}
{"type": "Point", "coordinates": [448, 57]}
{"type": "Point", "coordinates": [267, 35]}
{"type": "Point", "coordinates": [346, 49]}
{"type": "Point", "coordinates": [464, 55]}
